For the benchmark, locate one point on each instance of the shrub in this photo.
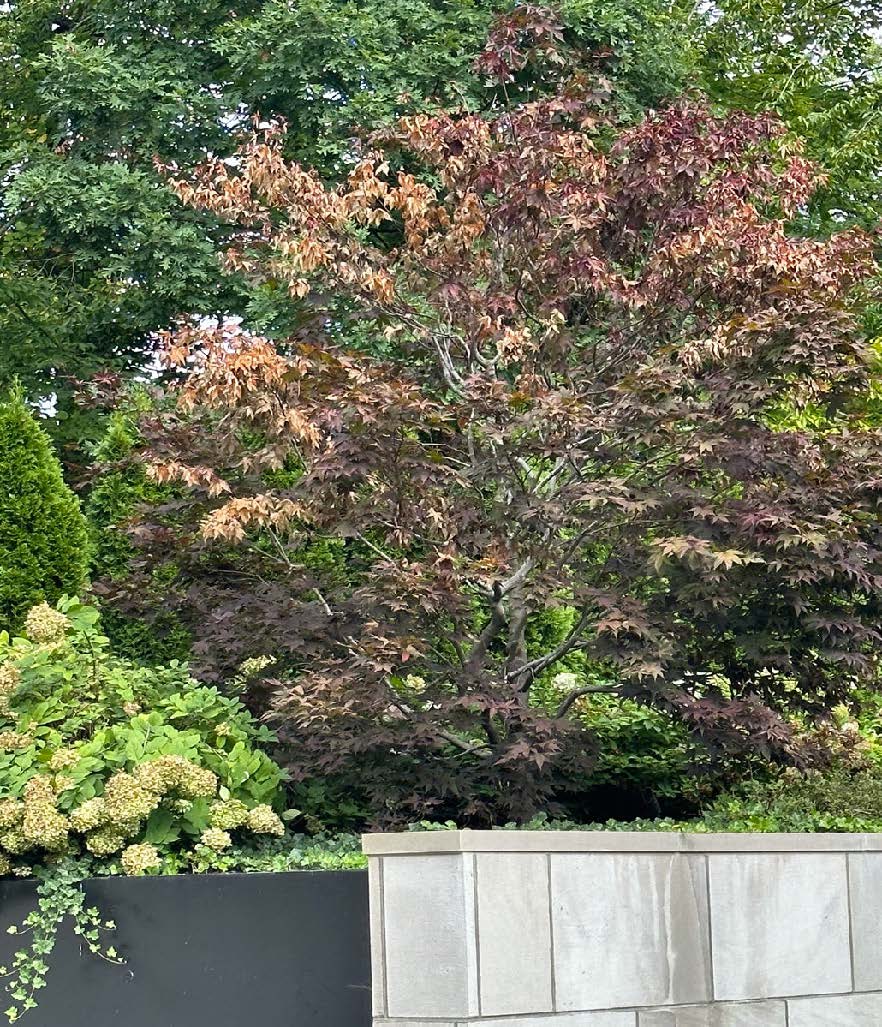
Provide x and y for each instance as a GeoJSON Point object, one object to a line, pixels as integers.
{"type": "Point", "coordinates": [115, 495]}
{"type": "Point", "coordinates": [110, 767]}
{"type": "Point", "coordinates": [836, 800]}
{"type": "Point", "coordinates": [43, 542]}
{"type": "Point", "coordinates": [840, 799]}
{"type": "Point", "coordinates": [132, 765]}
{"type": "Point", "coordinates": [119, 491]}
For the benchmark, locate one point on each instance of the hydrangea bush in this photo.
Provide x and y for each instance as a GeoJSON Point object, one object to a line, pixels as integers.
{"type": "Point", "coordinates": [110, 767]}
{"type": "Point", "coordinates": [100, 758]}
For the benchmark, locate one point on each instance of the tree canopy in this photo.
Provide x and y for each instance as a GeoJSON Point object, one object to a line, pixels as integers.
{"type": "Point", "coordinates": [97, 254]}
{"type": "Point", "coordinates": [530, 366]}
{"type": "Point", "coordinates": [818, 66]}
{"type": "Point", "coordinates": [614, 382]}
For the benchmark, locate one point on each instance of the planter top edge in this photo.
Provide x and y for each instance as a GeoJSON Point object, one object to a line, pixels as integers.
{"type": "Point", "coordinates": [439, 842]}
{"type": "Point", "coordinates": [215, 875]}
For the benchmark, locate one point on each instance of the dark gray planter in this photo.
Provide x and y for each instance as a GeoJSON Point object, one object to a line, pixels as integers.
{"type": "Point", "coordinates": [224, 950]}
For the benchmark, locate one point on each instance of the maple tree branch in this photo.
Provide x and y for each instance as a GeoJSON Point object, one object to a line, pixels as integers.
{"type": "Point", "coordinates": [577, 693]}
{"type": "Point", "coordinates": [490, 728]}
{"type": "Point", "coordinates": [530, 670]}
{"type": "Point", "coordinates": [516, 579]}
{"type": "Point", "coordinates": [463, 746]}
{"type": "Point", "coordinates": [448, 736]}
{"type": "Point", "coordinates": [324, 602]}
{"type": "Point", "coordinates": [516, 649]}
{"type": "Point", "coordinates": [374, 548]}
{"type": "Point", "coordinates": [491, 630]}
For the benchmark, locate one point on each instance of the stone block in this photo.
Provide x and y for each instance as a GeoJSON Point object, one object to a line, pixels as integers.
{"type": "Point", "coordinates": [720, 1014]}
{"type": "Point", "coordinates": [514, 933]}
{"type": "Point", "coordinates": [780, 924]}
{"type": "Point", "coordinates": [429, 928]}
{"type": "Point", "coordinates": [865, 900]}
{"type": "Point", "coordinates": [836, 1011]}
{"type": "Point", "coordinates": [613, 1018]}
{"type": "Point", "coordinates": [382, 1022]}
{"type": "Point", "coordinates": [629, 929]}
{"type": "Point", "coordinates": [610, 1018]}
{"type": "Point", "coordinates": [417, 842]}
{"type": "Point", "coordinates": [378, 954]}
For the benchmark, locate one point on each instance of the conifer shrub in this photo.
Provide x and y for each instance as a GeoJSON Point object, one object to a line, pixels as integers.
{"type": "Point", "coordinates": [43, 538]}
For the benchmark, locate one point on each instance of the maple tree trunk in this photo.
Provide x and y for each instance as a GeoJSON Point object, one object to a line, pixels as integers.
{"type": "Point", "coordinates": [516, 649]}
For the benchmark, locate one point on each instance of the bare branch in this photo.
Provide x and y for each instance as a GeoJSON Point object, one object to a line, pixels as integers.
{"type": "Point", "coordinates": [374, 548]}
{"type": "Point", "coordinates": [530, 670]}
{"type": "Point", "coordinates": [460, 743]}
{"type": "Point", "coordinates": [324, 602]}
{"type": "Point", "coordinates": [517, 578]}
{"type": "Point", "coordinates": [491, 630]}
{"type": "Point", "coordinates": [577, 693]}
{"type": "Point", "coordinates": [463, 746]}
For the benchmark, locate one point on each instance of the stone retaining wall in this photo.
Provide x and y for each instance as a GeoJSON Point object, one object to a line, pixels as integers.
{"type": "Point", "coordinates": [608, 929]}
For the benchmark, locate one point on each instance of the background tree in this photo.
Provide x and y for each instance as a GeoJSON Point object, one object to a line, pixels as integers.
{"type": "Point", "coordinates": [119, 491]}
{"type": "Point", "coordinates": [588, 352]}
{"type": "Point", "coordinates": [818, 66]}
{"type": "Point", "coordinates": [96, 253]}
{"type": "Point", "coordinates": [43, 543]}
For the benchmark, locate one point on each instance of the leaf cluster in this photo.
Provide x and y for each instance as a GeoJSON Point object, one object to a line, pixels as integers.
{"type": "Point", "coordinates": [110, 756]}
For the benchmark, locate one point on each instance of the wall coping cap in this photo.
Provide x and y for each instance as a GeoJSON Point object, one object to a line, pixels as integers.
{"type": "Point", "coordinates": [436, 842]}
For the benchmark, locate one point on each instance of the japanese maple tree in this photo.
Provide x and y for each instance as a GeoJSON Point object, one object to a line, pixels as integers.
{"type": "Point", "coordinates": [550, 364]}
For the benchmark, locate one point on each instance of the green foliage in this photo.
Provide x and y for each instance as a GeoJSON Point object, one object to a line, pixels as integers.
{"type": "Point", "coordinates": [98, 755]}
{"type": "Point", "coordinates": [59, 896]}
{"type": "Point", "coordinates": [356, 78]}
{"type": "Point", "coordinates": [838, 800]}
{"type": "Point", "coordinates": [330, 804]}
{"type": "Point", "coordinates": [643, 748]}
{"type": "Point", "coordinates": [96, 253]}
{"type": "Point", "coordinates": [43, 543]}
{"type": "Point", "coordinates": [639, 749]}
{"type": "Point", "coordinates": [116, 494]}
{"type": "Point", "coordinates": [99, 253]}
{"type": "Point", "coordinates": [281, 855]}
{"type": "Point", "coordinates": [819, 67]}
{"type": "Point", "coordinates": [108, 768]}
{"type": "Point", "coordinates": [118, 491]}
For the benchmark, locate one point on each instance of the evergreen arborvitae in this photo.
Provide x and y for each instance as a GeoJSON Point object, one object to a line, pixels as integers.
{"type": "Point", "coordinates": [43, 540]}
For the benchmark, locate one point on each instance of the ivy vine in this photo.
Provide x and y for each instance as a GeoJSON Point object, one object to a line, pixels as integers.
{"type": "Point", "coordinates": [59, 895]}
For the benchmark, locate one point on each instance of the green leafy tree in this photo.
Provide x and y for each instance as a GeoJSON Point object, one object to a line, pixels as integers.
{"type": "Point", "coordinates": [43, 539]}
{"type": "Point", "coordinates": [818, 66]}
{"type": "Point", "coordinates": [96, 253]}
{"type": "Point", "coordinates": [119, 491]}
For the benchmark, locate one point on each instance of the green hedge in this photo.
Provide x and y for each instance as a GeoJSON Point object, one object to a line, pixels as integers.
{"type": "Point", "coordinates": [43, 538]}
